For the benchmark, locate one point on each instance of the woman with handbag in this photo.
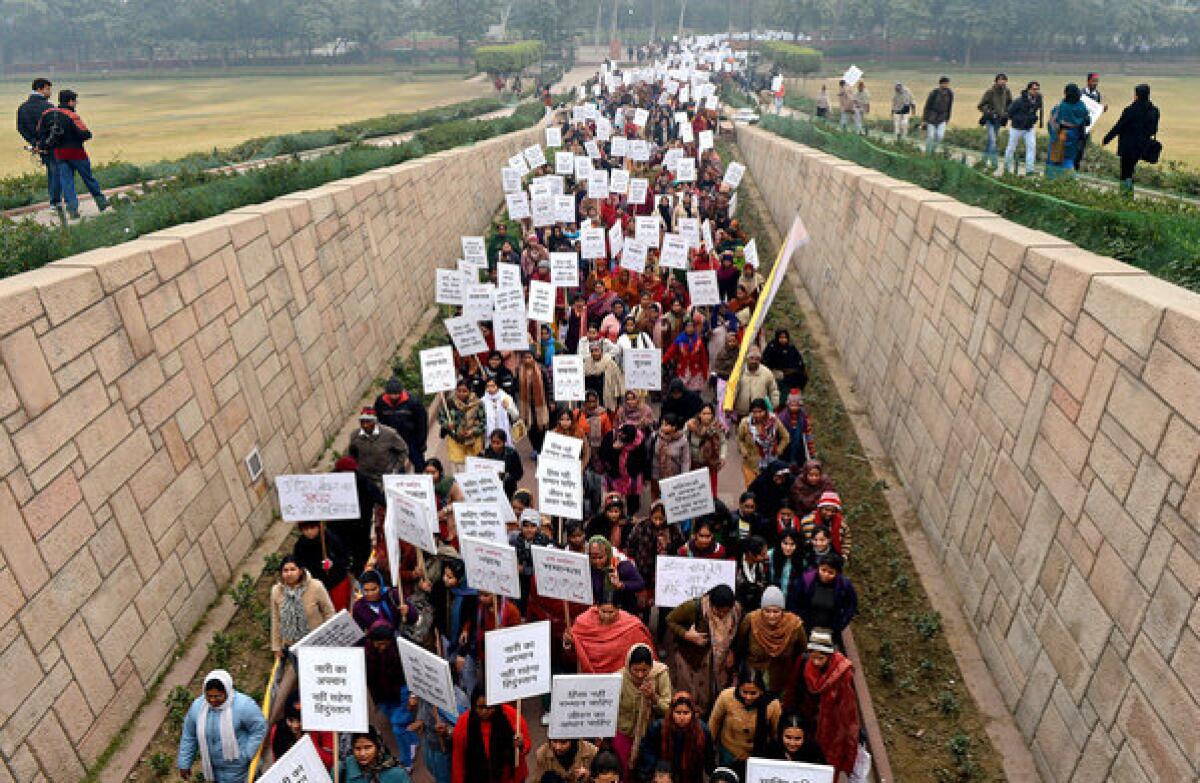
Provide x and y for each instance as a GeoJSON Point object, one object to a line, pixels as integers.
{"type": "Point", "coordinates": [1068, 124]}
{"type": "Point", "coordinates": [1135, 132]}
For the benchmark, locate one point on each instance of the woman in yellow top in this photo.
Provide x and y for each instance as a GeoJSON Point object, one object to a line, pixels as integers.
{"type": "Point", "coordinates": [744, 720]}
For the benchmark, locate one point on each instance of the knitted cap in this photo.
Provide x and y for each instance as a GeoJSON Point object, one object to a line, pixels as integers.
{"type": "Point", "coordinates": [772, 596]}
{"type": "Point", "coordinates": [830, 500]}
{"type": "Point", "coordinates": [368, 414]}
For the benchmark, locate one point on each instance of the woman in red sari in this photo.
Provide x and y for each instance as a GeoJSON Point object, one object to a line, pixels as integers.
{"type": "Point", "coordinates": [689, 357]}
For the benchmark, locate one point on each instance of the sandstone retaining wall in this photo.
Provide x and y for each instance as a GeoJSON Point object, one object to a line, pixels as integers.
{"type": "Point", "coordinates": [1042, 406]}
{"type": "Point", "coordinates": [134, 382]}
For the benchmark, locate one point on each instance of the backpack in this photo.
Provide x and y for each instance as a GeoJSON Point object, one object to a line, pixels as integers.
{"type": "Point", "coordinates": [50, 130]}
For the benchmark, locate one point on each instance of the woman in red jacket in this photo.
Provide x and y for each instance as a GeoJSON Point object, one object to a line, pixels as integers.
{"type": "Point", "coordinates": [487, 747]}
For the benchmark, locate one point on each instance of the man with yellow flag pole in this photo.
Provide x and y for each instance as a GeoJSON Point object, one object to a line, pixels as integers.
{"type": "Point", "coordinates": [796, 237]}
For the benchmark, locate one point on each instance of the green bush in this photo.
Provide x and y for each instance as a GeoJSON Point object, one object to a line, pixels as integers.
{"type": "Point", "coordinates": [792, 59]}
{"type": "Point", "coordinates": [1162, 237]}
{"type": "Point", "coordinates": [195, 195]}
{"type": "Point", "coordinates": [507, 58]}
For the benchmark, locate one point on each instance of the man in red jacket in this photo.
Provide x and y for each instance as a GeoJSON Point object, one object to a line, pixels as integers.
{"type": "Point", "coordinates": [63, 132]}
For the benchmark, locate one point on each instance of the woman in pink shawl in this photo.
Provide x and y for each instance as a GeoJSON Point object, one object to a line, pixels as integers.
{"type": "Point", "coordinates": [600, 638]}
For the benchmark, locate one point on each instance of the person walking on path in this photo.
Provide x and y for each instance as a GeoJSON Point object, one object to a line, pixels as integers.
{"type": "Point", "coordinates": [1068, 128]}
{"type": "Point", "coordinates": [1092, 92]}
{"type": "Point", "coordinates": [936, 114]}
{"type": "Point", "coordinates": [64, 131]}
{"type": "Point", "coordinates": [29, 114]}
{"type": "Point", "coordinates": [993, 109]}
{"type": "Point", "coordinates": [862, 105]}
{"type": "Point", "coordinates": [845, 98]}
{"type": "Point", "coordinates": [823, 103]}
{"type": "Point", "coordinates": [1026, 114]}
{"type": "Point", "coordinates": [1135, 131]}
{"type": "Point", "coordinates": [224, 727]}
{"type": "Point", "coordinates": [903, 106]}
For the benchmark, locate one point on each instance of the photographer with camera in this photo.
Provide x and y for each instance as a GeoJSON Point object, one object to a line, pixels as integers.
{"type": "Point", "coordinates": [29, 114]}
{"type": "Point", "coordinates": [993, 108]}
{"type": "Point", "coordinates": [63, 132]}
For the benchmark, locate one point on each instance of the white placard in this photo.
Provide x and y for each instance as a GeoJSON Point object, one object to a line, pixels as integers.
{"type": "Point", "coordinates": [639, 150]}
{"type": "Point", "coordinates": [508, 277]}
{"type": "Point", "coordinates": [633, 256]}
{"type": "Point", "coordinates": [776, 83]}
{"type": "Point", "coordinates": [680, 579]}
{"type": "Point", "coordinates": [750, 253]}
{"type": "Point", "coordinates": [316, 497]}
{"type": "Point", "coordinates": [733, 202]}
{"type": "Point", "coordinates": [510, 180]}
{"type": "Point", "coordinates": [686, 134]}
{"type": "Point", "coordinates": [592, 243]}
{"type": "Point", "coordinates": [706, 235]}
{"type": "Point", "coordinates": [465, 334]}
{"type": "Point", "coordinates": [491, 567]}
{"type": "Point", "coordinates": [638, 188]}
{"type": "Point", "coordinates": [643, 368]}
{"type": "Point", "coordinates": [535, 157]}
{"type": "Point", "coordinates": [604, 128]}
{"type": "Point", "coordinates": [508, 299]}
{"type": "Point", "coordinates": [672, 157]}
{"type": "Point", "coordinates": [477, 464]}
{"type": "Point", "coordinates": [584, 705]}
{"type": "Point", "coordinates": [852, 75]}
{"type": "Point", "coordinates": [418, 486]}
{"type": "Point", "coordinates": [470, 272]}
{"type": "Point", "coordinates": [448, 287]}
{"type": "Point", "coordinates": [407, 520]}
{"type": "Point", "coordinates": [685, 170]}
{"type": "Point", "coordinates": [583, 168]}
{"type": "Point", "coordinates": [509, 331]}
{"type": "Point", "coordinates": [301, 764]}
{"type": "Point", "coordinates": [618, 147]}
{"type": "Point", "coordinates": [645, 228]}
{"type": "Point", "coordinates": [517, 662]}
{"type": "Point", "coordinates": [568, 378]}
{"type": "Point", "coordinates": [562, 574]}
{"type": "Point", "coordinates": [641, 117]}
{"type": "Point", "coordinates": [674, 252]}
{"type": "Point", "coordinates": [564, 270]}
{"type": "Point", "coordinates": [618, 181]}
{"type": "Point", "coordinates": [689, 227]}
{"type": "Point", "coordinates": [702, 288]}
{"type": "Point", "coordinates": [591, 148]}
{"type": "Point", "coordinates": [474, 250]}
{"type": "Point", "coordinates": [712, 102]}
{"type": "Point", "coordinates": [564, 209]}
{"type": "Point", "coordinates": [542, 210]}
{"type": "Point", "coordinates": [616, 238]}
{"type": "Point", "coordinates": [560, 487]}
{"type": "Point", "coordinates": [541, 301]}
{"type": "Point", "coordinates": [705, 141]}
{"type": "Point", "coordinates": [338, 631]}
{"type": "Point", "coordinates": [437, 370]}
{"type": "Point", "coordinates": [597, 186]}
{"type": "Point", "coordinates": [688, 495]}
{"type": "Point", "coordinates": [553, 136]}
{"type": "Point", "coordinates": [564, 163]}
{"type": "Point", "coordinates": [518, 164]}
{"type": "Point", "coordinates": [333, 688]}
{"type": "Point", "coordinates": [733, 174]}
{"type": "Point", "coordinates": [484, 486]}
{"type": "Point", "coordinates": [1095, 109]}
{"type": "Point", "coordinates": [560, 446]}
{"type": "Point", "coordinates": [427, 675]}
{"type": "Point", "coordinates": [772, 771]}
{"type": "Point", "coordinates": [480, 520]}
{"type": "Point", "coordinates": [518, 205]}
{"type": "Point", "coordinates": [477, 302]}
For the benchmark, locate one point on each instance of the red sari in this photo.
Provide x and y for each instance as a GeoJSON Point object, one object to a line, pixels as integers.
{"type": "Point", "coordinates": [837, 716]}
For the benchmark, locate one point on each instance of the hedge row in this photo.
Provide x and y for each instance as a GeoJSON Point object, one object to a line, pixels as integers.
{"type": "Point", "coordinates": [20, 190]}
{"type": "Point", "coordinates": [195, 195]}
{"type": "Point", "coordinates": [507, 58]}
{"type": "Point", "coordinates": [791, 58]}
{"type": "Point", "coordinates": [1161, 237]}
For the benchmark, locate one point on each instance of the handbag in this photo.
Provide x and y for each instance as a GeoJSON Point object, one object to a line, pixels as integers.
{"type": "Point", "coordinates": [1153, 150]}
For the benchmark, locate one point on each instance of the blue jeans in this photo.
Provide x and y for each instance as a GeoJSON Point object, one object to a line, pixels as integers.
{"type": "Point", "coordinates": [52, 181]}
{"type": "Point", "coordinates": [989, 154]}
{"type": "Point", "coordinates": [66, 176]}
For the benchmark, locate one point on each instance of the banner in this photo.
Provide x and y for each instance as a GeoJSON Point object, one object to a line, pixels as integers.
{"type": "Point", "coordinates": [491, 567]}
{"type": "Point", "coordinates": [480, 520]}
{"type": "Point", "coordinates": [301, 764]}
{"type": "Point", "coordinates": [688, 495]}
{"type": "Point", "coordinates": [797, 236]}
{"type": "Point", "coordinates": [333, 688]}
{"type": "Point", "coordinates": [568, 378]}
{"type": "Point", "coordinates": [678, 580]}
{"type": "Point", "coordinates": [427, 675]}
{"type": "Point", "coordinates": [643, 368]}
{"type": "Point", "coordinates": [338, 631]}
{"type": "Point", "coordinates": [562, 574]}
{"type": "Point", "coordinates": [560, 487]}
{"type": "Point", "coordinates": [437, 370]}
{"type": "Point", "coordinates": [584, 705]}
{"type": "Point", "coordinates": [517, 662]}
{"type": "Point", "coordinates": [316, 497]}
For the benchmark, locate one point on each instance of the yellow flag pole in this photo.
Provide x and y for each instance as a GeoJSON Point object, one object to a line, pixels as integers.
{"type": "Point", "coordinates": [266, 708]}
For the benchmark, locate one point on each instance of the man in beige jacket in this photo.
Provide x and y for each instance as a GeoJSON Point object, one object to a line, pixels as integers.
{"type": "Point", "coordinates": [756, 381]}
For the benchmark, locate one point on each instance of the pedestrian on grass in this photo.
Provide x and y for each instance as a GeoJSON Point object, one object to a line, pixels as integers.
{"type": "Point", "coordinates": [936, 115]}
{"type": "Point", "coordinates": [993, 110]}
{"type": "Point", "coordinates": [64, 132]}
{"type": "Point", "coordinates": [823, 103]}
{"type": "Point", "coordinates": [29, 114]}
{"type": "Point", "coordinates": [845, 98]}
{"type": "Point", "coordinates": [1091, 91]}
{"type": "Point", "coordinates": [1135, 131]}
{"type": "Point", "coordinates": [1068, 125]}
{"type": "Point", "coordinates": [862, 105]}
{"type": "Point", "coordinates": [1027, 115]}
{"type": "Point", "coordinates": [903, 107]}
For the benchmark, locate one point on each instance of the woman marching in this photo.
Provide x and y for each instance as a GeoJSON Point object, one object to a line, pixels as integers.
{"type": "Point", "coordinates": [703, 631]}
{"type": "Point", "coordinates": [225, 727]}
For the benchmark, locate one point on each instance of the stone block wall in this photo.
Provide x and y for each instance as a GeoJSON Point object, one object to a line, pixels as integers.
{"type": "Point", "coordinates": [1042, 406]}
{"type": "Point", "coordinates": [134, 382]}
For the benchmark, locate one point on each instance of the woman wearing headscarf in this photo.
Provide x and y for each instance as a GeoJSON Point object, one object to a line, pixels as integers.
{"type": "Point", "coordinates": [499, 410]}
{"type": "Point", "coordinates": [826, 598]}
{"type": "Point", "coordinates": [761, 439]}
{"type": "Point", "coordinates": [288, 730]}
{"type": "Point", "coordinates": [785, 361]}
{"type": "Point", "coordinates": [490, 744]}
{"type": "Point", "coordinates": [612, 571]}
{"type": "Point", "coordinates": [670, 454]}
{"type": "Point", "coordinates": [370, 762]}
{"type": "Point", "coordinates": [727, 276]}
{"type": "Point", "coordinates": [454, 607]}
{"type": "Point", "coordinates": [808, 488]}
{"type": "Point", "coordinates": [822, 690]}
{"type": "Point", "coordinates": [707, 441]}
{"type": "Point", "coordinates": [533, 403]}
{"type": "Point", "coordinates": [225, 728]}
{"type": "Point", "coordinates": [1068, 126]}
{"type": "Point", "coordinates": [462, 425]}
{"type": "Point", "coordinates": [703, 632]}
{"type": "Point", "coordinates": [600, 639]}
{"type": "Point", "coordinates": [299, 604]}
{"type": "Point", "coordinates": [636, 411]}
{"type": "Point", "coordinates": [744, 720]}
{"type": "Point", "coordinates": [770, 638]}
{"type": "Point", "coordinates": [600, 301]}
{"type": "Point", "coordinates": [681, 742]}
{"type": "Point", "coordinates": [623, 454]}
{"type": "Point", "coordinates": [645, 697]}
{"type": "Point", "coordinates": [602, 375]}
{"type": "Point", "coordinates": [320, 552]}
{"type": "Point", "coordinates": [689, 357]}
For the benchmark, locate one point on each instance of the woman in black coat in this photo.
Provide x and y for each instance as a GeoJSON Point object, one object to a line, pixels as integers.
{"type": "Point", "coordinates": [785, 361]}
{"type": "Point", "coordinates": [1137, 126]}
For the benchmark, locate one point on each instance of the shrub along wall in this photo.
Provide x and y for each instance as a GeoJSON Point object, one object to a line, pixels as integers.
{"type": "Point", "coordinates": [1039, 404]}
{"type": "Point", "coordinates": [508, 58]}
{"type": "Point", "coordinates": [134, 381]}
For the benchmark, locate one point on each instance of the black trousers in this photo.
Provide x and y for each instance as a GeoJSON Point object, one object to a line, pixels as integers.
{"type": "Point", "coordinates": [1128, 164]}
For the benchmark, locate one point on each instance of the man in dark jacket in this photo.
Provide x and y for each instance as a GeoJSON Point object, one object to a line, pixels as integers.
{"type": "Point", "coordinates": [64, 131]}
{"type": "Point", "coordinates": [937, 114]}
{"type": "Point", "coordinates": [1092, 92]}
{"type": "Point", "coordinates": [403, 412]}
{"type": "Point", "coordinates": [1026, 114]}
{"type": "Point", "coordinates": [993, 108]}
{"type": "Point", "coordinates": [29, 114]}
{"type": "Point", "coordinates": [1137, 126]}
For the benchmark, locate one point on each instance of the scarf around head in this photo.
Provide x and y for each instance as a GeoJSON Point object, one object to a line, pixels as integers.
{"type": "Point", "coordinates": [604, 649]}
{"type": "Point", "coordinates": [773, 641]}
{"type": "Point", "coordinates": [631, 692]}
{"type": "Point", "coordinates": [229, 743]}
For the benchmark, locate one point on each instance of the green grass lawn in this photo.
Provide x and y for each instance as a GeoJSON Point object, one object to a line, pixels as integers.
{"type": "Point", "coordinates": [141, 118]}
{"type": "Point", "coordinates": [1174, 92]}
